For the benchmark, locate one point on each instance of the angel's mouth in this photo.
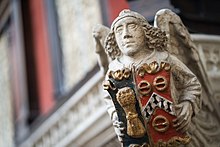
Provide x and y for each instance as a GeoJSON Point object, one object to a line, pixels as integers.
{"type": "Point", "coordinates": [127, 42]}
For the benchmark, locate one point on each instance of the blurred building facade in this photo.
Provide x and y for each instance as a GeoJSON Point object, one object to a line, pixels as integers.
{"type": "Point", "coordinates": [50, 83]}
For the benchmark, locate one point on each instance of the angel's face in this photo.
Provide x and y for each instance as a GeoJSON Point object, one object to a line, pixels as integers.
{"type": "Point", "coordinates": [130, 36]}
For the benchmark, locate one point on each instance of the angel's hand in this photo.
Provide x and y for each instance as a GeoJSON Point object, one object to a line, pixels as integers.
{"type": "Point", "coordinates": [119, 127]}
{"type": "Point", "coordinates": [97, 32]}
{"type": "Point", "coordinates": [184, 114]}
{"type": "Point", "coordinates": [96, 36]}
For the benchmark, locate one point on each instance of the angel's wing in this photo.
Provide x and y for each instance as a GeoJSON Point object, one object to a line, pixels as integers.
{"type": "Point", "coordinates": [204, 128]}
{"type": "Point", "coordinates": [180, 43]}
{"type": "Point", "coordinates": [99, 34]}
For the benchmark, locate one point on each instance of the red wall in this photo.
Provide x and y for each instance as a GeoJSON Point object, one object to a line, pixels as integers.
{"type": "Point", "coordinates": [114, 7]}
{"type": "Point", "coordinates": [42, 55]}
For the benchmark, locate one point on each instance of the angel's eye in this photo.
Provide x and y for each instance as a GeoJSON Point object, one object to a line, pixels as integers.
{"type": "Point", "coordinates": [132, 26]}
{"type": "Point", "coordinates": [119, 29]}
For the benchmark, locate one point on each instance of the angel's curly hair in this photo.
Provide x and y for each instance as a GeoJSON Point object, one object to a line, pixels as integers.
{"type": "Point", "coordinates": [156, 39]}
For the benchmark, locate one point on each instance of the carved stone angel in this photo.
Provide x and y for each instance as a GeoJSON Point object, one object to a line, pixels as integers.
{"type": "Point", "coordinates": [152, 95]}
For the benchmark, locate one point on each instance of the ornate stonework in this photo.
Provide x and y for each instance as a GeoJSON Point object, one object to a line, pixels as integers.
{"type": "Point", "coordinates": [208, 48]}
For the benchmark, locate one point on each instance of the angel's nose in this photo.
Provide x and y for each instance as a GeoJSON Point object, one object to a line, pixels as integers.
{"type": "Point", "coordinates": [126, 33]}
{"type": "Point", "coordinates": [127, 36]}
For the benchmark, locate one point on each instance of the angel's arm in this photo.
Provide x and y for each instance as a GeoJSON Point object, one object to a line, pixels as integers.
{"type": "Point", "coordinates": [99, 34]}
{"type": "Point", "coordinates": [188, 97]}
{"type": "Point", "coordinates": [118, 126]}
{"type": "Point", "coordinates": [187, 84]}
{"type": "Point", "coordinates": [109, 105]}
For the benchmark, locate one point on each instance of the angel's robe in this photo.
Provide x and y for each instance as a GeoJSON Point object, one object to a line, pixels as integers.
{"type": "Point", "coordinates": [183, 83]}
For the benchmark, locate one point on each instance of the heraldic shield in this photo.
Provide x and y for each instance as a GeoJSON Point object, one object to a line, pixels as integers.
{"type": "Point", "coordinates": [143, 102]}
{"type": "Point", "coordinates": [121, 87]}
{"type": "Point", "coordinates": [156, 103]}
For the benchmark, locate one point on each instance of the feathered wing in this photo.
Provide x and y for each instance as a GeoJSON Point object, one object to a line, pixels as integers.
{"type": "Point", "coordinates": [180, 43]}
{"type": "Point", "coordinates": [99, 34]}
{"type": "Point", "coordinates": [205, 125]}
